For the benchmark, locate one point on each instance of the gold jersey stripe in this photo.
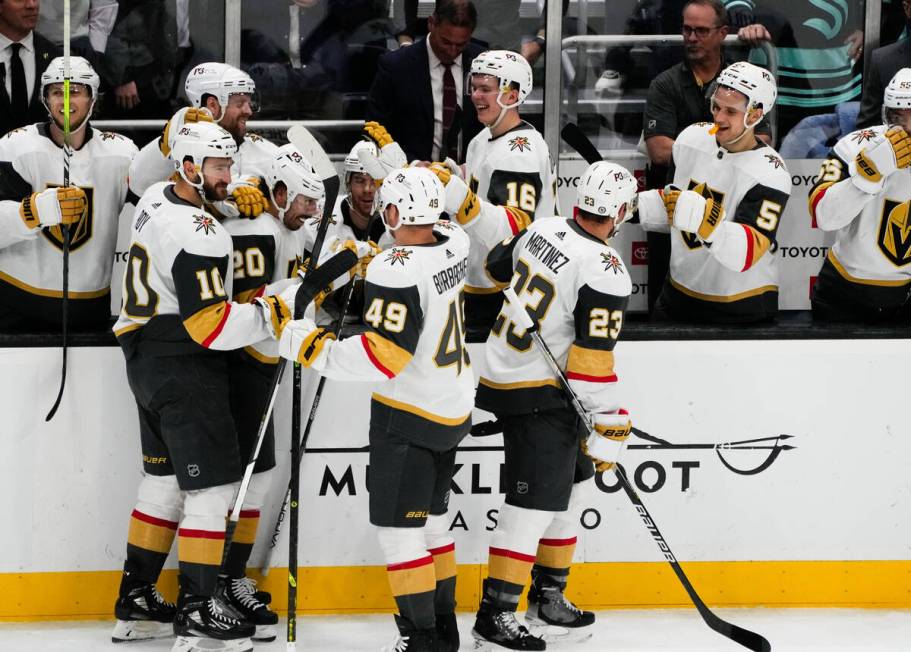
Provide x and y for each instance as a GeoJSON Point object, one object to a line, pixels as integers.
{"type": "Point", "coordinates": [54, 294]}
{"type": "Point", "coordinates": [203, 323]}
{"type": "Point", "coordinates": [722, 299]}
{"type": "Point", "coordinates": [388, 353]}
{"type": "Point", "coordinates": [260, 356]}
{"type": "Point", "coordinates": [863, 281]}
{"type": "Point", "coordinates": [590, 362]}
{"type": "Point", "coordinates": [759, 244]}
{"type": "Point", "coordinates": [246, 296]}
{"type": "Point", "coordinates": [521, 384]}
{"type": "Point", "coordinates": [471, 289]}
{"type": "Point", "coordinates": [413, 409]}
{"type": "Point", "coordinates": [127, 329]}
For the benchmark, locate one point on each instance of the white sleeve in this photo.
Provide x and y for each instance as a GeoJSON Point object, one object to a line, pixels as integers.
{"type": "Point", "coordinates": [149, 166]}
{"type": "Point", "coordinates": [12, 228]}
{"type": "Point", "coordinates": [840, 204]}
{"type": "Point", "coordinates": [652, 212]}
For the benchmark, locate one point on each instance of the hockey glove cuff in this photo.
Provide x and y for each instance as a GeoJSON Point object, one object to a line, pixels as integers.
{"type": "Point", "coordinates": [53, 206]}
{"type": "Point", "coordinates": [303, 342]}
{"type": "Point", "coordinates": [694, 213]}
{"type": "Point", "coordinates": [654, 211]}
{"type": "Point", "coordinates": [606, 442]}
{"type": "Point", "coordinates": [461, 203]}
{"type": "Point", "coordinates": [276, 313]}
{"type": "Point", "coordinates": [876, 162]}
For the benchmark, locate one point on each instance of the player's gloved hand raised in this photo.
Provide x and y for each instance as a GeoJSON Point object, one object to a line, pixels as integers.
{"type": "Point", "coordinates": [53, 206]}
{"type": "Point", "coordinates": [378, 134]}
{"type": "Point", "coordinates": [461, 202]}
{"type": "Point", "coordinates": [365, 251]}
{"type": "Point", "coordinates": [248, 198]}
{"type": "Point", "coordinates": [391, 155]}
{"type": "Point", "coordinates": [172, 127]}
{"type": "Point", "coordinates": [694, 213]}
{"type": "Point", "coordinates": [873, 164]}
{"type": "Point", "coordinates": [302, 341]}
{"type": "Point", "coordinates": [276, 312]}
{"type": "Point", "coordinates": [606, 442]}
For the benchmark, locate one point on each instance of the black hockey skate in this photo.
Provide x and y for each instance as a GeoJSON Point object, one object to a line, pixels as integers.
{"type": "Point", "coordinates": [552, 616]}
{"type": "Point", "coordinates": [494, 628]}
{"type": "Point", "coordinates": [142, 613]}
{"type": "Point", "coordinates": [447, 633]}
{"type": "Point", "coordinates": [241, 596]}
{"type": "Point", "coordinates": [204, 623]}
{"type": "Point", "coordinates": [412, 639]}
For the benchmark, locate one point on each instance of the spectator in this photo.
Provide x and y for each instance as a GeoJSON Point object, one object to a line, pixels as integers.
{"type": "Point", "coordinates": [676, 99]}
{"type": "Point", "coordinates": [140, 61]}
{"type": "Point", "coordinates": [863, 194]}
{"type": "Point", "coordinates": [23, 57]}
{"type": "Point", "coordinates": [723, 212]}
{"type": "Point", "coordinates": [818, 52]}
{"type": "Point", "coordinates": [497, 20]}
{"type": "Point", "coordinates": [417, 88]}
{"type": "Point", "coordinates": [886, 61]}
{"type": "Point", "coordinates": [34, 209]}
{"type": "Point", "coordinates": [91, 23]}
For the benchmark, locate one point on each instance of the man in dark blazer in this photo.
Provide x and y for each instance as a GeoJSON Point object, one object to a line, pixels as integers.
{"type": "Point", "coordinates": [407, 96]}
{"type": "Point", "coordinates": [886, 61]}
{"type": "Point", "coordinates": [20, 95]}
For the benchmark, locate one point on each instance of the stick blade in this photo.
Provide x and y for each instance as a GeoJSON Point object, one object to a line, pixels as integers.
{"type": "Point", "coordinates": [576, 138]}
{"type": "Point", "coordinates": [303, 140]}
{"type": "Point", "coordinates": [746, 638]}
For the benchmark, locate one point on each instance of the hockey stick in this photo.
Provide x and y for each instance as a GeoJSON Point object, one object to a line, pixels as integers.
{"type": "Point", "coordinates": [746, 638]}
{"type": "Point", "coordinates": [304, 141]}
{"type": "Point", "coordinates": [311, 417]}
{"type": "Point", "coordinates": [64, 228]}
{"type": "Point", "coordinates": [575, 138]}
{"type": "Point", "coordinates": [314, 282]}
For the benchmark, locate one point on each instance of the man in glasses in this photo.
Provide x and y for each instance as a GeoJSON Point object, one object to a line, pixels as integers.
{"type": "Point", "coordinates": [676, 99]}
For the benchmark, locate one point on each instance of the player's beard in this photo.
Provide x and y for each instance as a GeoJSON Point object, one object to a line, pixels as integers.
{"type": "Point", "coordinates": [218, 192]}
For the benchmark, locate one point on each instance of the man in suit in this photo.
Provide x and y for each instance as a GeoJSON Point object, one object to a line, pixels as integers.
{"type": "Point", "coordinates": [424, 121]}
{"type": "Point", "coordinates": [887, 61]}
{"type": "Point", "coordinates": [23, 57]}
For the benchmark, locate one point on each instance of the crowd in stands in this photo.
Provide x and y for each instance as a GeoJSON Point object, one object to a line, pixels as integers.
{"type": "Point", "coordinates": [388, 60]}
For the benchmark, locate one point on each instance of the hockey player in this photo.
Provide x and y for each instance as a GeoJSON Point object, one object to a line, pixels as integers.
{"type": "Point", "coordinates": [354, 218]}
{"type": "Point", "coordinates": [863, 193]}
{"type": "Point", "coordinates": [576, 289]}
{"type": "Point", "coordinates": [34, 207]}
{"type": "Point", "coordinates": [728, 195]}
{"type": "Point", "coordinates": [415, 341]}
{"type": "Point", "coordinates": [176, 317]}
{"type": "Point", "coordinates": [508, 167]}
{"type": "Point", "coordinates": [225, 94]}
{"type": "Point", "coordinates": [266, 258]}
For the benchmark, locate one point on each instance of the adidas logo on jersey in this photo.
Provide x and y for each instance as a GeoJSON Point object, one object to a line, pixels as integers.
{"type": "Point", "coordinates": [560, 235]}
{"type": "Point", "coordinates": [449, 254]}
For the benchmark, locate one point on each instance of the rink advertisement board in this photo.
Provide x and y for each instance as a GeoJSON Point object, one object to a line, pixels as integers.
{"type": "Point", "coordinates": [776, 470]}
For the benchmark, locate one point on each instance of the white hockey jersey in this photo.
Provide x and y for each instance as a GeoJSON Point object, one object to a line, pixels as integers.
{"type": "Point", "coordinates": [415, 341]}
{"type": "Point", "coordinates": [577, 289]}
{"type": "Point", "coordinates": [513, 170]}
{"type": "Point", "coordinates": [872, 250]}
{"type": "Point", "coordinates": [31, 260]}
{"type": "Point", "coordinates": [253, 159]}
{"type": "Point", "coordinates": [178, 282]}
{"type": "Point", "coordinates": [753, 187]}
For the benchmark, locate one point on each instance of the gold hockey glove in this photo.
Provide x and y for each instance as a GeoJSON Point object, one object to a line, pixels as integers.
{"type": "Point", "coordinates": [250, 200]}
{"type": "Point", "coordinates": [53, 206]}
{"type": "Point", "coordinates": [276, 313]}
{"type": "Point", "coordinates": [378, 134]}
{"type": "Point", "coordinates": [605, 443]}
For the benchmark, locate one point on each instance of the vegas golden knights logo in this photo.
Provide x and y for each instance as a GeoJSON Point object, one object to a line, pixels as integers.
{"type": "Point", "coordinates": [81, 232]}
{"type": "Point", "coordinates": [691, 239]}
{"type": "Point", "coordinates": [895, 233]}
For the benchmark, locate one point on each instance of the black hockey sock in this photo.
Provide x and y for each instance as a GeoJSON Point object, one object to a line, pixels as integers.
{"type": "Point", "coordinates": [444, 565]}
{"type": "Point", "coordinates": [148, 543]}
{"type": "Point", "coordinates": [242, 544]}
{"type": "Point", "coordinates": [502, 595]}
{"type": "Point", "coordinates": [553, 576]}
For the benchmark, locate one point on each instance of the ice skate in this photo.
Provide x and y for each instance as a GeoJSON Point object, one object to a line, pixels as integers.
{"type": "Point", "coordinates": [447, 633]}
{"type": "Point", "coordinates": [241, 596]}
{"type": "Point", "coordinates": [142, 614]}
{"type": "Point", "coordinates": [411, 639]}
{"type": "Point", "coordinates": [494, 630]}
{"type": "Point", "coordinates": [203, 624]}
{"type": "Point", "coordinates": [553, 617]}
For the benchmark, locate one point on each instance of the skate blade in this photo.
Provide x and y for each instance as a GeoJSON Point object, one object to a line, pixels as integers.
{"type": "Point", "coordinates": [140, 630]}
{"type": "Point", "coordinates": [199, 644]}
{"type": "Point", "coordinates": [481, 644]}
{"type": "Point", "coordinates": [265, 634]}
{"type": "Point", "coordinates": [557, 635]}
